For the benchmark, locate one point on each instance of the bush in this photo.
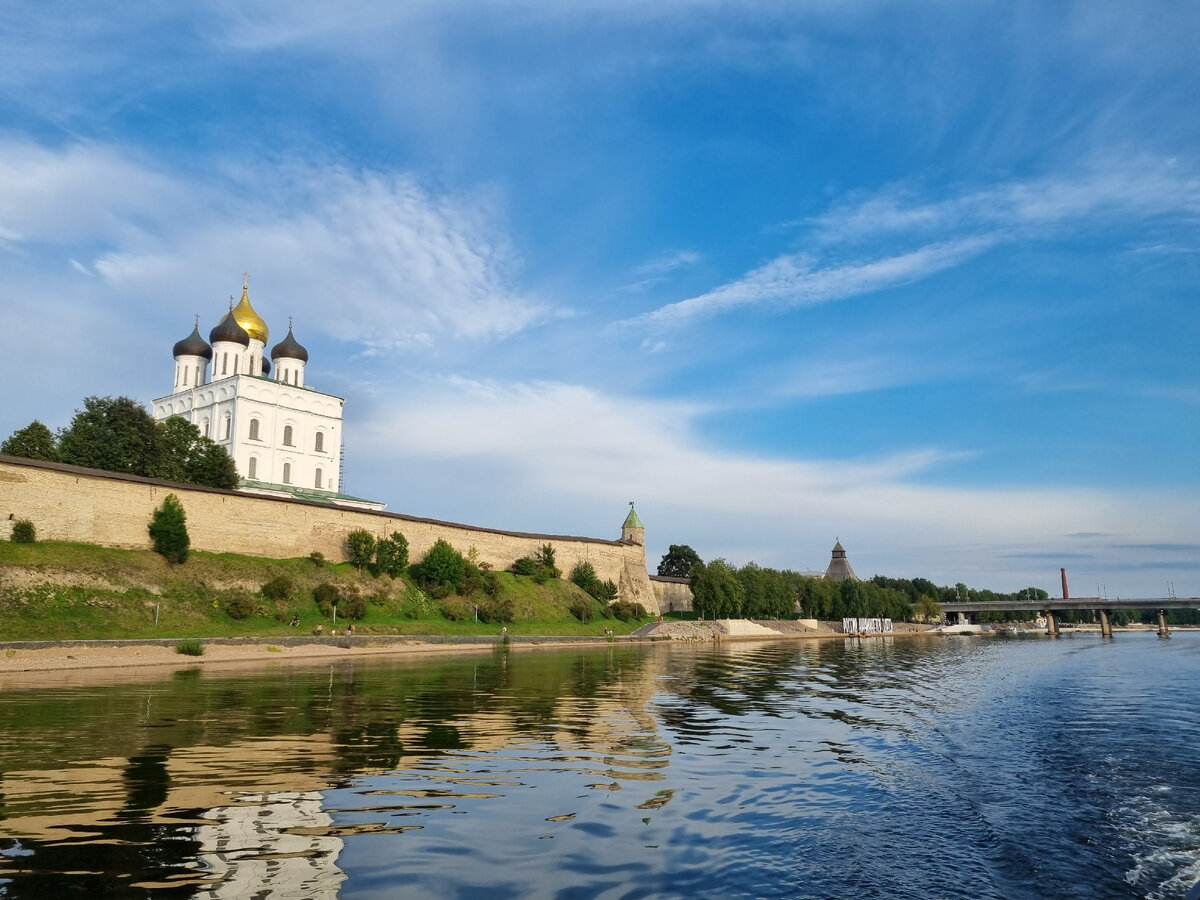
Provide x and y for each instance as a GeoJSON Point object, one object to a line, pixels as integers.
{"type": "Point", "coordinates": [279, 588]}
{"type": "Point", "coordinates": [318, 559]}
{"type": "Point", "coordinates": [327, 596]}
{"type": "Point", "coordinates": [523, 566]}
{"type": "Point", "coordinates": [168, 530]}
{"type": "Point", "coordinates": [497, 609]}
{"type": "Point", "coordinates": [582, 609]}
{"type": "Point", "coordinates": [360, 547]}
{"type": "Point", "coordinates": [239, 606]}
{"type": "Point", "coordinates": [190, 647]}
{"type": "Point", "coordinates": [627, 610]}
{"type": "Point", "coordinates": [457, 609]}
{"type": "Point", "coordinates": [353, 607]}
{"type": "Point", "coordinates": [545, 560]}
{"type": "Point", "coordinates": [23, 532]}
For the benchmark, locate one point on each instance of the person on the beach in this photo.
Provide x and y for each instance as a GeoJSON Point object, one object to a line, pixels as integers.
{"type": "Point", "coordinates": [320, 630]}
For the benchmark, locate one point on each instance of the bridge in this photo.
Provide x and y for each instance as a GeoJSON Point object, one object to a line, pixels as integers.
{"type": "Point", "coordinates": [1050, 608]}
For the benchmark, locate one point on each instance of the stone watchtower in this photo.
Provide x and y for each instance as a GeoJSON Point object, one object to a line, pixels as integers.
{"type": "Point", "coordinates": [839, 567]}
{"type": "Point", "coordinates": [634, 583]}
{"type": "Point", "coordinates": [633, 531]}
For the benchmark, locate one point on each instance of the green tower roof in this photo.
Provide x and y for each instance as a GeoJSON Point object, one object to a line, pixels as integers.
{"type": "Point", "coordinates": [632, 520]}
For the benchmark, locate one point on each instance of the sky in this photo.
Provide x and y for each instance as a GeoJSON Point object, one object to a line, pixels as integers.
{"type": "Point", "coordinates": [922, 276]}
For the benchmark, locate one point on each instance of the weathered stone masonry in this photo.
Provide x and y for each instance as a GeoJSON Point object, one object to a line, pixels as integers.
{"type": "Point", "coordinates": [70, 503]}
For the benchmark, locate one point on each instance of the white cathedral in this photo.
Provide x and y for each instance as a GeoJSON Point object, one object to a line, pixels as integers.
{"type": "Point", "coordinates": [284, 436]}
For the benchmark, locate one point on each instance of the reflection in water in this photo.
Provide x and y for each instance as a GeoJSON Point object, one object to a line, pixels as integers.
{"type": "Point", "coordinates": [866, 768]}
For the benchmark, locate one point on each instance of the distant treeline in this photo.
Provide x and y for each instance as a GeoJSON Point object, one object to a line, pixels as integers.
{"type": "Point", "coordinates": [721, 590]}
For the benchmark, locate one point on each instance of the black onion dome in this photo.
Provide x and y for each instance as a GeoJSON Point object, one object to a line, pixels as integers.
{"type": "Point", "coordinates": [230, 331]}
{"type": "Point", "coordinates": [193, 345]}
{"type": "Point", "coordinates": [289, 348]}
{"type": "Point", "coordinates": [266, 364]}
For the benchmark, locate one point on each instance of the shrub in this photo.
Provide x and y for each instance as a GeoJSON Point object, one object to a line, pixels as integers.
{"type": "Point", "coordinates": [353, 607]}
{"type": "Point", "coordinates": [545, 560]}
{"type": "Point", "coordinates": [326, 596]}
{"type": "Point", "coordinates": [627, 610]}
{"type": "Point", "coordinates": [23, 532]}
{"type": "Point", "coordinates": [168, 530]}
{"type": "Point", "coordinates": [279, 588]}
{"type": "Point", "coordinates": [497, 609]}
{"type": "Point", "coordinates": [582, 609]}
{"type": "Point", "coordinates": [318, 559]}
{"type": "Point", "coordinates": [239, 606]}
{"type": "Point", "coordinates": [457, 609]}
{"type": "Point", "coordinates": [360, 547]}
{"type": "Point", "coordinates": [190, 647]}
{"type": "Point", "coordinates": [523, 566]}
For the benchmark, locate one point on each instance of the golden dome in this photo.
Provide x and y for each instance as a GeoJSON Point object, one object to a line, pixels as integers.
{"type": "Point", "coordinates": [245, 316]}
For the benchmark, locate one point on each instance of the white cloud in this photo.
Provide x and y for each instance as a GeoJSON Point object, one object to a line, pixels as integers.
{"type": "Point", "coordinates": [566, 447]}
{"type": "Point", "coordinates": [794, 280]}
{"type": "Point", "coordinates": [373, 258]}
{"type": "Point", "coordinates": [1110, 190]}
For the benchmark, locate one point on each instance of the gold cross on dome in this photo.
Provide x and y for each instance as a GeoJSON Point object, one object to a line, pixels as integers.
{"type": "Point", "coordinates": [245, 279]}
{"type": "Point", "coordinates": [197, 320]}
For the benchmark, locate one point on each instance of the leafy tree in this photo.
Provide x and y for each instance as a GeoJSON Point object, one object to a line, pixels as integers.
{"type": "Point", "coordinates": [34, 441]}
{"type": "Point", "coordinates": [716, 591]}
{"type": "Point", "coordinates": [927, 608]}
{"type": "Point", "coordinates": [391, 555]}
{"type": "Point", "coordinates": [115, 434]}
{"type": "Point", "coordinates": [443, 568]}
{"type": "Point", "coordinates": [168, 530]}
{"type": "Point", "coordinates": [210, 464]}
{"type": "Point", "coordinates": [327, 596]}
{"type": "Point", "coordinates": [678, 561]}
{"type": "Point", "coordinates": [23, 532]}
{"type": "Point", "coordinates": [279, 588]}
{"type": "Point", "coordinates": [360, 547]}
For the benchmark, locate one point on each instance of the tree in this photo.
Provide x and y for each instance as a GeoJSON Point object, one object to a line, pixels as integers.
{"type": "Point", "coordinates": [210, 464]}
{"type": "Point", "coordinates": [168, 530]}
{"type": "Point", "coordinates": [442, 570]}
{"type": "Point", "coordinates": [360, 547]}
{"type": "Point", "coordinates": [23, 532]}
{"type": "Point", "coordinates": [115, 434]}
{"type": "Point", "coordinates": [391, 555]}
{"type": "Point", "coordinates": [678, 561]}
{"type": "Point", "coordinates": [34, 441]}
{"type": "Point", "coordinates": [927, 609]}
{"type": "Point", "coordinates": [716, 591]}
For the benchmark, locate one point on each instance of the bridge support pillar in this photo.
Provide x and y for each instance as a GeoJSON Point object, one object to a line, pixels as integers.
{"type": "Point", "coordinates": [1051, 623]}
{"type": "Point", "coordinates": [1162, 624]}
{"type": "Point", "coordinates": [1105, 624]}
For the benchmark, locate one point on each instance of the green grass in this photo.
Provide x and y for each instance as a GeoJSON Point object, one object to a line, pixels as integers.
{"type": "Point", "coordinates": [190, 647]}
{"type": "Point", "coordinates": [52, 590]}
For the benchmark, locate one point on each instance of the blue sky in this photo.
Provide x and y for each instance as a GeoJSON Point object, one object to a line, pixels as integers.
{"type": "Point", "coordinates": [923, 277]}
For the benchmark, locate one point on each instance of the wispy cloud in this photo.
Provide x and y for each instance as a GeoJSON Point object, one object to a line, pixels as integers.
{"type": "Point", "coordinates": [402, 266]}
{"type": "Point", "coordinates": [797, 280]}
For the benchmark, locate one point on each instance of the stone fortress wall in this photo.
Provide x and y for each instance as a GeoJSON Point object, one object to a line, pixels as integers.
{"type": "Point", "coordinates": [70, 503]}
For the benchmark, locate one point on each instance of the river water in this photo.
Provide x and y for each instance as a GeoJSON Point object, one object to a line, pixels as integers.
{"type": "Point", "coordinates": [1001, 767]}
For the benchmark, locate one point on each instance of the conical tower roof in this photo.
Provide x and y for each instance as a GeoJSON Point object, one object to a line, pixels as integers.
{"type": "Point", "coordinates": [632, 520]}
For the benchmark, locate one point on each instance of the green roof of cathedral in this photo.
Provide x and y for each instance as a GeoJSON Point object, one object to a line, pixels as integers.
{"type": "Point", "coordinates": [632, 520]}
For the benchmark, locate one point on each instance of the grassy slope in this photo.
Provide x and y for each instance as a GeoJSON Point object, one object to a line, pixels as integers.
{"type": "Point", "coordinates": [59, 591]}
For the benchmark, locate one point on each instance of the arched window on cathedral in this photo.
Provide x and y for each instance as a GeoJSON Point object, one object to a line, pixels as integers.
{"type": "Point", "coordinates": [254, 429]}
{"type": "Point", "coordinates": [205, 428]}
{"type": "Point", "coordinates": [228, 424]}
{"type": "Point", "coordinates": [224, 363]}
{"type": "Point", "coordinates": [252, 472]}
{"type": "Point", "coordinates": [287, 473]}
{"type": "Point", "coordinates": [287, 435]}
{"type": "Point", "coordinates": [318, 480]}
{"type": "Point", "coordinates": [319, 442]}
